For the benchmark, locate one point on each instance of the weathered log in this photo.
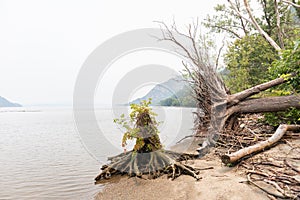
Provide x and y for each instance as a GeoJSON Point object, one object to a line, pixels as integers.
{"type": "Point", "coordinates": [281, 130]}
{"type": "Point", "coordinates": [237, 97]}
{"type": "Point", "coordinates": [268, 104]}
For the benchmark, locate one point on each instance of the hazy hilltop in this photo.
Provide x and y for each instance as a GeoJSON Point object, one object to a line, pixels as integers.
{"type": "Point", "coordinates": [174, 92]}
{"type": "Point", "coordinates": [163, 90]}
{"type": "Point", "coordinates": [5, 103]}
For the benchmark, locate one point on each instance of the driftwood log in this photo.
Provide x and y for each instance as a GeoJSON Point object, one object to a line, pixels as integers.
{"type": "Point", "coordinates": [281, 130]}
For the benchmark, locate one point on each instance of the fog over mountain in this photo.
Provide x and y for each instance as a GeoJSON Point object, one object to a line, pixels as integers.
{"type": "Point", "coordinates": [5, 103]}
{"type": "Point", "coordinates": [164, 90]}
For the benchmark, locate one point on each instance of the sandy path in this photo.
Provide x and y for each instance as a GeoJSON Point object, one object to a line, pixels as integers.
{"type": "Point", "coordinates": [218, 183]}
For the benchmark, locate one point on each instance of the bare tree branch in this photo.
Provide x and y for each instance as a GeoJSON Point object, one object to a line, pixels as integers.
{"type": "Point", "coordinates": [219, 53]}
{"type": "Point", "coordinates": [279, 32]}
{"type": "Point", "coordinates": [242, 21]}
{"type": "Point", "coordinates": [260, 30]}
{"type": "Point", "coordinates": [254, 23]}
{"type": "Point", "coordinates": [228, 30]}
{"type": "Point", "coordinates": [237, 97]}
{"type": "Point", "coordinates": [291, 3]}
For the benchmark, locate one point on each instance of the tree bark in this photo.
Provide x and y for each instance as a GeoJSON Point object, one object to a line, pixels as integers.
{"type": "Point", "coordinates": [235, 98]}
{"type": "Point", "coordinates": [281, 130]}
{"type": "Point", "coordinates": [268, 104]}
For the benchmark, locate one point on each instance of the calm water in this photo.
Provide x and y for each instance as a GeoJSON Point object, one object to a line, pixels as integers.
{"type": "Point", "coordinates": [42, 156]}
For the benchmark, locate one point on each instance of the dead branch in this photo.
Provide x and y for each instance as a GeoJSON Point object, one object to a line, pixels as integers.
{"type": "Point", "coordinates": [280, 35]}
{"type": "Point", "coordinates": [219, 53]}
{"type": "Point", "coordinates": [259, 29]}
{"type": "Point", "coordinates": [291, 166]}
{"type": "Point", "coordinates": [279, 189]}
{"type": "Point", "coordinates": [263, 189]}
{"type": "Point", "coordinates": [253, 21]}
{"type": "Point", "coordinates": [291, 3]}
{"type": "Point", "coordinates": [281, 130]}
{"type": "Point", "coordinates": [236, 98]}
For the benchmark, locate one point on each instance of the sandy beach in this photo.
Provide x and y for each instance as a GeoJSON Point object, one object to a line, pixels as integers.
{"type": "Point", "coordinates": [221, 182]}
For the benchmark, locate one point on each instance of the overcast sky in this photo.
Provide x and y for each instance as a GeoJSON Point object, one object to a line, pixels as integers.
{"type": "Point", "coordinates": [43, 43]}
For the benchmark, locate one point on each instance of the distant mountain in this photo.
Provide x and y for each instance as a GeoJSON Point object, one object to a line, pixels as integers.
{"type": "Point", "coordinates": [5, 103]}
{"type": "Point", "coordinates": [174, 92]}
{"type": "Point", "coordinates": [182, 98]}
{"type": "Point", "coordinates": [163, 90]}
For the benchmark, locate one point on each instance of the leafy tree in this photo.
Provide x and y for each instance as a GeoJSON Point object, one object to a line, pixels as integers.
{"type": "Point", "coordinates": [226, 20]}
{"type": "Point", "coordinates": [249, 57]}
{"type": "Point", "coordinates": [288, 64]}
{"type": "Point", "coordinates": [248, 60]}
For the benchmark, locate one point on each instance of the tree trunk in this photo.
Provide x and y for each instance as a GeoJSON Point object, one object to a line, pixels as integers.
{"type": "Point", "coordinates": [236, 98]}
{"type": "Point", "coordinates": [268, 104]}
{"type": "Point", "coordinates": [281, 130]}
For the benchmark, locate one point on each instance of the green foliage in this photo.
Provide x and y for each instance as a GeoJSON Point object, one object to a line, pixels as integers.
{"type": "Point", "coordinates": [251, 60]}
{"type": "Point", "coordinates": [268, 20]}
{"type": "Point", "coordinates": [288, 64]}
{"type": "Point", "coordinates": [291, 116]}
{"type": "Point", "coordinates": [226, 20]}
{"type": "Point", "coordinates": [247, 60]}
{"type": "Point", "coordinates": [171, 101]}
{"type": "Point", "coordinates": [284, 67]}
{"type": "Point", "coordinates": [133, 129]}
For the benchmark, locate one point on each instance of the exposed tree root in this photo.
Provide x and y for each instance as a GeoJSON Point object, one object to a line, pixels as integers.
{"type": "Point", "coordinates": [153, 164]}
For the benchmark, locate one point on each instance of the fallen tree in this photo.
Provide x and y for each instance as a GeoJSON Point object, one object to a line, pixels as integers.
{"type": "Point", "coordinates": [217, 108]}
{"type": "Point", "coordinates": [281, 130]}
{"type": "Point", "coordinates": [217, 112]}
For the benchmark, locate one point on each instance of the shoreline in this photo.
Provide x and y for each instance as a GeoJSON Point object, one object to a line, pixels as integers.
{"type": "Point", "coordinates": [221, 182]}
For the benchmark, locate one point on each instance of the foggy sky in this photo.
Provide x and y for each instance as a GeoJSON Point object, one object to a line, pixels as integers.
{"type": "Point", "coordinates": [43, 43]}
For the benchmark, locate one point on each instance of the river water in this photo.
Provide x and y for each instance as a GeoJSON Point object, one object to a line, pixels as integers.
{"type": "Point", "coordinates": [42, 155]}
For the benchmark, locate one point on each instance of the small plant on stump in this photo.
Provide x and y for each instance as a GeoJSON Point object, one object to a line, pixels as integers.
{"type": "Point", "coordinates": [148, 156]}
{"type": "Point", "coordinates": [144, 130]}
